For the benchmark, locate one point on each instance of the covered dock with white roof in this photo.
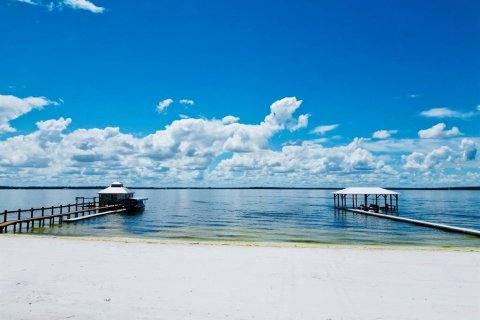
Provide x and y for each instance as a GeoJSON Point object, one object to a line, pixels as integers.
{"type": "Point", "coordinates": [115, 193]}
{"type": "Point", "coordinates": [389, 201]}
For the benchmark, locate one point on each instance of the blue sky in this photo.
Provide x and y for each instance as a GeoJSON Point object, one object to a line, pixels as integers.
{"type": "Point", "coordinates": [389, 91]}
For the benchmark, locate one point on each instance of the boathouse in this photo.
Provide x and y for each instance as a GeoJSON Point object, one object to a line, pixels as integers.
{"type": "Point", "coordinates": [115, 193]}
{"type": "Point", "coordinates": [375, 197]}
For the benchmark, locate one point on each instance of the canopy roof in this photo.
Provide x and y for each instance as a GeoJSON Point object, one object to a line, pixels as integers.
{"type": "Point", "coordinates": [365, 190]}
{"type": "Point", "coordinates": [116, 188]}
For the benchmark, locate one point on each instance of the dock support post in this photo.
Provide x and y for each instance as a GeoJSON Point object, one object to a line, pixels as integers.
{"type": "Point", "coordinates": [5, 216]}
{"type": "Point", "coordinates": [31, 217]}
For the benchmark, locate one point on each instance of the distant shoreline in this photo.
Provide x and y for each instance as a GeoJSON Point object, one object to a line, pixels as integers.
{"type": "Point", "coordinates": [230, 188]}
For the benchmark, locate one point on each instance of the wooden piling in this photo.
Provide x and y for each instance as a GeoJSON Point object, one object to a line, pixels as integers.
{"type": "Point", "coordinates": [30, 220]}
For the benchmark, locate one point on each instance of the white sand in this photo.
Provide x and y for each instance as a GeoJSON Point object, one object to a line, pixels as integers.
{"type": "Point", "coordinates": [51, 278]}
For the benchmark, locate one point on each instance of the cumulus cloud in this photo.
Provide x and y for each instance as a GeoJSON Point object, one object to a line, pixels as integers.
{"type": "Point", "coordinates": [229, 119]}
{"type": "Point", "coordinates": [383, 134]}
{"type": "Point", "coordinates": [324, 129]}
{"type": "Point", "coordinates": [54, 125]}
{"type": "Point", "coordinates": [164, 104]}
{"type": "Point", "coordinates": [12, 107]}
{"type": "Point", "coordinates": [305, 159]}
{"type": "Point", "coordinates": [430, 160]}
{"type": "Point", "coordinates": [60, 4]}
{"type": "Point", "coordinates": [281, 115]}
{"type": "Point", "coordinates": [469, 149]}
{"type": "Point", "coordinates": [185, 148]}
{"type": "Point", "coordinates": [203, 152]}
{"type": "Point", "coordinates": [447, 113]}
{"type": "Point", "coordinates": [438, 131]}
{"type": "Point", "coordinates": [302, 122]}
{"type": "Point", "coordinates": [187, 102]}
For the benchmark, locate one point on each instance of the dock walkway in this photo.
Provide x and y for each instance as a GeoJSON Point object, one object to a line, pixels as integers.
{"type": "Point", "coordinates": [420, 222]}
{"type": "Point", "coordinates": [52, 215]}
{"type": "Point", "coordinates": [94, 215]}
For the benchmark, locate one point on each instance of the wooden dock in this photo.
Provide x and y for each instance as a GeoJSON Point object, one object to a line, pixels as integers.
{"type": "Point", "coordinates": [19, 219]}
{"type": "Point", "coordinates": [94, 215]}
{"type": "Point", "coordinates": [440, 226]}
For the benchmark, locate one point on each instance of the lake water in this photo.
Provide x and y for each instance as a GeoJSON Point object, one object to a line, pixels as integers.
{"type": "Point", "coordinates": [287, 216]}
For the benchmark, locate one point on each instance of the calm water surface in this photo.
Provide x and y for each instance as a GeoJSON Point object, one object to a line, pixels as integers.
{"type": "Point", "coordinates": [293, 216]}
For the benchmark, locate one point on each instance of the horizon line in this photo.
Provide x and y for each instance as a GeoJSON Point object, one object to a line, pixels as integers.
{"type": "Point", "coordinates": [238, 188]}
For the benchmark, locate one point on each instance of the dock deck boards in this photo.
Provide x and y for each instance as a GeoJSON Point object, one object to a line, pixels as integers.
{"type": "Point", "coordinates": [93, 215]}
{"type": "Point", "coordinates": [420, 222]}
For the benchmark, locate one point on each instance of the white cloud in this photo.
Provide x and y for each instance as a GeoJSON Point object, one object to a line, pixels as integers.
{"type": "Point", "coordinates": [301, 123]}
{"type": "Point", "coordinates": [54, 125]}
{"type": "Point", "coordinates": [383, 134]}
{"type": "Point", "coordinates": [164, 104]}
{"type": "Point", "coordinates": [306, 160]}
{"type": "Point", "coordinates": [429, 161]}
{"type": "Point", "coordinates": [60, 4]}
{"type": "Point", "coordinates": [83, 5]}
{"type": "Point", "coordinates": [324, 129]}
{"type": "Point", "coordinates": [438, 131]}
{"type": "Point", "coordinates": [12, 107]}
{"type": "Point", "coordinates": [187, 102]}
{"type": "Point", "coordinates": [281, 112]}
{"type": "Point", "coordinates": [447, 113]}
{"type": "Point", "coordinates": [182, 150]}
{"type": "Point", "coordinates": [229, 119]}
{"type": "Point", "coordinates": [28, 2]}
{"type": "Point", "coordinates": [413, 96]}
{"type": "Point", "coordinates": [469, 149]}
{"type": "Point", "coordinates": [220, 152]}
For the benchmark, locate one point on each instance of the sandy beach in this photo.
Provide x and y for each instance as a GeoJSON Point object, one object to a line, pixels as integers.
{"type": "Point", "coordinates": [68, 278]}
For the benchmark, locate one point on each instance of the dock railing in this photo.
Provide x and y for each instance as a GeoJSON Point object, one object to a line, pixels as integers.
{"type": "Point", "coordinates": [49, 215]}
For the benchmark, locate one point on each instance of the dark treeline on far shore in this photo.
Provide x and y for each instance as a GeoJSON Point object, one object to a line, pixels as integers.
{"type": "Point", "coordinates": [240, 188]}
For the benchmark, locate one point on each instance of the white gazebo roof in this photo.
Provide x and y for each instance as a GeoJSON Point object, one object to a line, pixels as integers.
{"type": "Point", "coordinates": [116, 188]}
{"type": "Point", "coordinates": [365, 190]}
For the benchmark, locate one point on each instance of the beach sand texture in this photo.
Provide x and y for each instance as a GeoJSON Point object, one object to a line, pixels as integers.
{"type": "Point", "coordinates": [61, 278]}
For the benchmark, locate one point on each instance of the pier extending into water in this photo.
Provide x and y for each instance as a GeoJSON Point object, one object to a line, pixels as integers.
{"type": "Point", "coordinates": [26, 219]}
{"type": "Point", "coordinates": [375, 208]}
{"type": "Point", "coordinates": [440, 226]}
